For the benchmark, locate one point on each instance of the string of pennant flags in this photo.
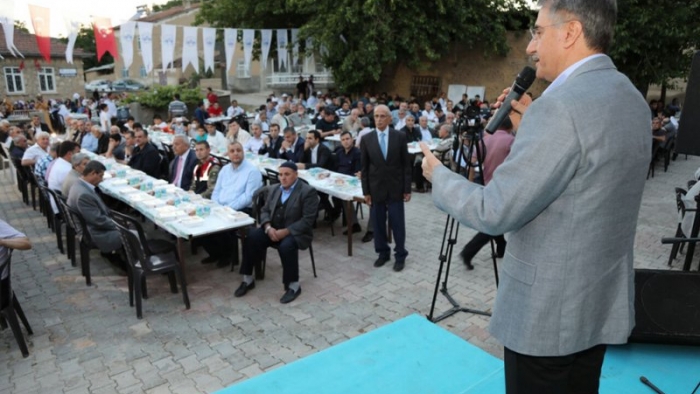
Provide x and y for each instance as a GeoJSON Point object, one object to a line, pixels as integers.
{"type": "Point", "coordinates": [105, 40]}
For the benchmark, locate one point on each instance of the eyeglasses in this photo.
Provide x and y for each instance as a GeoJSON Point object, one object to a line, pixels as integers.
{"type": "Point", "coordinates": [536, 31]}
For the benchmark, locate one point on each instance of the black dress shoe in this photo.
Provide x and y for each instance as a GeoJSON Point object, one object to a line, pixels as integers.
{"type": "Point", "coordinates": [369, 236]}
{"type": "Point", "coordinates": [380, 261]}
{"type": "Point", "coordinates": [467, 261]}
{"type": "Point", "coordinates": [398, 265]}
{"type": "Point", "coordinates": [355, 229]}
{"type": "Point", "coordinates": [290, 296]}
{"type": "Point", "coordinates": [243, 289]}
{"type": "Point", "coordinates": [210, 260]}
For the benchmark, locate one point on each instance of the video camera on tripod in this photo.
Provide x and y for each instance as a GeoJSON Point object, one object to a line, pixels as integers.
{"type": "Point", "coordinates": [468, 130]}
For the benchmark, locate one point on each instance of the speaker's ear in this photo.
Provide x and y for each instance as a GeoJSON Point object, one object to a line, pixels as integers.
{"type": "Point", "coordinates": [688, 140]}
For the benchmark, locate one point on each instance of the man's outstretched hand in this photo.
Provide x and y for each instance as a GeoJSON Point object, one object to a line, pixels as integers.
{"type": "Point", "coordinates": [430, 162]}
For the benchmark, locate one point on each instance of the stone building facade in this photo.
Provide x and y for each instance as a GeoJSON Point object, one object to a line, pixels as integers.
{"type": "Point", "coordinates": [25, 78]}
{"type": "Point", "coordinates": [462, 66]}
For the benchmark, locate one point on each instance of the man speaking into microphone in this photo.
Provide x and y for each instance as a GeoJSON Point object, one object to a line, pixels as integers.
{"type": "Point", "coordinates": [567, 198]}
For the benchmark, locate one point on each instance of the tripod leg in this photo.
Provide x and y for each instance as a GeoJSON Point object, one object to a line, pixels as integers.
{"type": "Point", "coordinates": [442, 259]}
{"type": "Point", "coordinates": [451, 241]}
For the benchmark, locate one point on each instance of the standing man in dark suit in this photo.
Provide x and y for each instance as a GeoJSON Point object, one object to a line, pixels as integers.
{"type": "Point", "coordinates": [292, 148]}
{"type": "Point", "coordinates": [386, 185]}
{"type": "Point", "coordinates": [182, 166]}
{"type": "Point", "coordinates": [287, 220]}
{"type": "Point", "coordinates": [83, 198]}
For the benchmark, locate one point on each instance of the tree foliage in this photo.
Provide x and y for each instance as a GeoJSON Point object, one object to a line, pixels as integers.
{"type": "Point", "coordinates": [360, 39]}
{"type": "Point", "coordinates": [655, 40]}
{"type": "Point", "coordinates": [86, 42]}
{"type": "Point", "coordinates": [159, 97]}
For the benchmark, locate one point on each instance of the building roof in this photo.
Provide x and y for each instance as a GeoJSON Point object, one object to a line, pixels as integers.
{"type": "Point", "coordinates": [169, 13]}
{"type": "Point", "coordinates": [26, 45]}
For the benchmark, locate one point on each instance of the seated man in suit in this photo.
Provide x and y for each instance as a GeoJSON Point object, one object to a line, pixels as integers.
{"type": "Point", "coordinates": [292, 148]}
{"type": "Point", "coordinates": [286, 220]}
{"type": "Point", "coordinates": [273, 143]}
{"type": "Point", "coordinates": [317, 155]}
{"type": "Point", "coordinates": [235, 186]}
{"type": "Point", "coordinates": [348, 162]}
{"type": "Point", "coordinates": [182, 166]}
{"type": "Point", "coordinates": [83, 198]}
{"type": "Point", "coordinates": [145, 156]}
{"type": "Point", "coordinates": [78, 161]}
{"type": "Point", "coordinates": [19, 146]}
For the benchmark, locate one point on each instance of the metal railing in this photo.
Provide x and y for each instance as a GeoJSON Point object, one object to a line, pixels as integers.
{"type": "Point", "coordinates": [291, 80]}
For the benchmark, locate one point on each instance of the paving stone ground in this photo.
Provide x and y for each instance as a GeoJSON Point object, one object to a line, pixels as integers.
{"type": "Point", "coordinates": [88, 339]}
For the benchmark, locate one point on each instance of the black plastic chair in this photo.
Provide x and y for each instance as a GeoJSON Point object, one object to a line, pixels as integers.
{"type": "Point", "coordinates": [10, 308]}
{"type": "Point", "coordinates": [259, 198]}
{"type": "Point", "coordinates": [152, 246]}
{"type": "Point", "coordinates": [86, 243]}
{"type": "Point", "coordinates": [680, 206]}
{"type": "Point", "coordinates": [142, 264]}
{"type": "Point", "coordinates": [273, 177]}
{"type": "Point", "coordinates": [22, 181]}
{"type": "Point", "coordinates": [73, 228]}
{"type": "Point", "coordinates": [54, 195]}
{"type": "Point", "coordinates": [44, 203]}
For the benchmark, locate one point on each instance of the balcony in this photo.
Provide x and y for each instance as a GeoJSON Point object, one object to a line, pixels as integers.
{"type": "Point", "coordinates": [286, 80]}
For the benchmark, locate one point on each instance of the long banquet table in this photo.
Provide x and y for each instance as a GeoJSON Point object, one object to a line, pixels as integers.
{"type": "Point", "coordinates": [182, 214]}
{"type": "Point", "coordinates": [344, 187]}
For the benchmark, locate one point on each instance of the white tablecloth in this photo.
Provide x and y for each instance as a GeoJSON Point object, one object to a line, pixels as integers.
{"type": "Point", "coordinates": [186, 220]}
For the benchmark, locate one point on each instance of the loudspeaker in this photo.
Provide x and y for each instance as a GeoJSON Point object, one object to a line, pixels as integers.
{"type": "Point", "coordinates": [667, 307]}
{"type": "Point", "coordinates": [688, 140]}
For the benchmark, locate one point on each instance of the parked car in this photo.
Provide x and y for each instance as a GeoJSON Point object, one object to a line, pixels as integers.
{"type": "Point", "coordinates": [101, 85]}
{"type": "Point", "coordinates": [128, 84]}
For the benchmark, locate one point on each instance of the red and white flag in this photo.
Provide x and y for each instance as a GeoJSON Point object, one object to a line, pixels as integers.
{"type": "Point", "coordinates": [104, 37]}
{"type": "Point", "coordinates": [41, 22]}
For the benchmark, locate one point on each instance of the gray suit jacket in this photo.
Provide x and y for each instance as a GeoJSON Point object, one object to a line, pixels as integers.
{"type": "Point", "coordinates": [102, 229]}
{"type": "Point", "coordinates": [299, 214]}
{"type": "Point", "coordinates": [568, 195]}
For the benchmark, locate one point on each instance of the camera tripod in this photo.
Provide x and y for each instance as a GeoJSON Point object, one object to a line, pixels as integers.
{"type": "Point", "coordinates": [451, 230]}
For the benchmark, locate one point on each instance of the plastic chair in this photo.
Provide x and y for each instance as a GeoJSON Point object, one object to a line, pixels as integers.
{"type": "Point", "coordinates": [273, 177]}
{"type": "Point", "coordinates": [57, 217]}
{"type": "Point", "coordinates": [73, 228]}
{"type": "Point", "coordinates": [86, 243]}
{"type": "Point", "coordinates": [259, 198]}
{"type": "Point", "coordinates": [152, 246]}
{"type": "Point", "coordinates": [142, 264]}
{"type": "Point", "coordinates": [10, 308]}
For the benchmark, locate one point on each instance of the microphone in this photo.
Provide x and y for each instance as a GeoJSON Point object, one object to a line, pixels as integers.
{"type": "Point", "coordinates": [521, 84]}
{"type": "Point", "coordinates": [650, 385]}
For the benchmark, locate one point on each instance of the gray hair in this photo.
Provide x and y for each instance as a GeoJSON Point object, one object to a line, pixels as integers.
{"type": "Point", "coordinates": [41, 134]}
{"type": "Point", "coordinates": [54, 147]}
{"type": "Point", "coordinates": [19, 138]}
{"type": "Point", "coordinates": [447, 127]}
{"type": "Point", "coordinates": [78, 158]}
{"type": "Point", "coordinates": [4, 122]}
{"type": "Point", "coordinates": [596, 16]}
{"type": "Point", "coordinates": [364, 121]}
{"type": "Point", "coordinates": [181, 137]}
{"type": "Point", "coordinates": [258, 123]}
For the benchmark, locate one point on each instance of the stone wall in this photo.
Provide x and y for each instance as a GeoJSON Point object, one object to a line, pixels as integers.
{"type": "Point", "coordinates": [469, 67]}
{"type": "Point", "coordinates": [64, 87]}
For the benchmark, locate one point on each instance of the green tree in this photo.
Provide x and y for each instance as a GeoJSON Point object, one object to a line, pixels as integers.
{"type": "Point", "coordinates": [21, 26]}
{"type": "Point", "coordinates": [655, 40]}
{"type": "Point", "coordinates": [86, 42]}
{"type": "Point", "coordinates": [360, 39]}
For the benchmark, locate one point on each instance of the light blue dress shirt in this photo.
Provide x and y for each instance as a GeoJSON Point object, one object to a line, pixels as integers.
{"type": "Point", "coordinates": [235, 186]}
{"type": "Point", "coordinates": [89, 142]}
{"type": "Point", "coordinates": [287, 192]}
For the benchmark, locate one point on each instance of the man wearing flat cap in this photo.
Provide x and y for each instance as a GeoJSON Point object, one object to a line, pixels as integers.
{"type": "Point", "coordinates": [286, 220]}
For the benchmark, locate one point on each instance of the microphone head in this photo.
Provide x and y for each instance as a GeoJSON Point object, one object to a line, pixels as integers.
{"type": "Point", "coordinates": [524, 80]}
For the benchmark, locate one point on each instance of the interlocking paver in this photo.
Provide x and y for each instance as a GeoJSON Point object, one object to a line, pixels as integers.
{"type": "Point", "coordinates": [87, 339]}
